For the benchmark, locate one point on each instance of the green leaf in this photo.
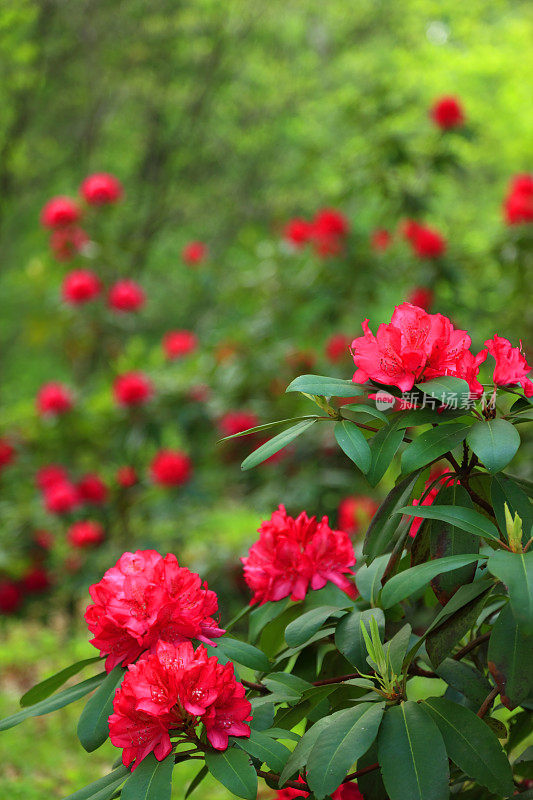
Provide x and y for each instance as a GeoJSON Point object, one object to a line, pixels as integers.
{"type": "Point", "coordinates": [232, 768]}
{"type": "Point", "coordinates": [383, 447]}
{"type": "Point", "coordinates": [447, 389]}
{"type": "Point", "coordinates": [301, 629]}
{"type": "Point", "coordinates": [472, 745]}
{"type": "Point", "coordinates": [47, 687]}
{"type": "Point", "coordinates": [277, 443]}
{"type": "Point", "coordinates": [298, 758]}
{"type": "Point", "coordinates": [425, 416]}
{"type": "Point", "coordinates": [495, 442]}
{"type": "Point", "coordinates": [411, 580]}
{"type": "Point", "coordinates": [59, 700]}
{"type": "Point", "coordinates": [196, 781]}
{"type": "Point", "coordinates": [467, 519]}
{"type": "Point", "coordinates": [267, 426]}
{"type": "Point", "coordinates": [97, 789]}
{"type": "Point", "coordinates": [263, 717]}
{"type": "Point", "coordinates": [432, 444]}
{"type": "Point", "coordinates": [293, 686]}
{"type": "Point", "coordinates": [262, 615]}
{"type": "Point", "coordinates": [515, 570]}
{"type": "Point", "coordinates": [151, 780]}
{"type": "Point", "coordinates": [412, 756]}
{"type": "Point", "coordinates": [349, 637]}
{"type": "Point", "coordinates": [504, 490]}
{"type": "Point", "coordinates": [344, 740]}
{"type": "Point", "coordinates": [353, 443]}
{"type": "Point", "coordinates": [361, 408]}
{"type": "Point", "coordinates": [441, 640]}
{"type": "Point", "coordinates": [397, 648]}
{"type": "Point", "coordinates": [324, 387]}
{"type": "Point", "coordinates": [368, 578]}
{"type": "Point", "coordinates": [510, 659]}
{"type": "Point", "coordinates": [93, 728]}
{"type": "Point", "coordinates": [289, 717]}
{"type": "Point", "coordinates": [265, 749]}
{"type": "Point", "coordinates": [464, 679]}
{"type": "Point", "coordinates": [384, 524]}
{"type": "Point", "coordinates": [244, 653]}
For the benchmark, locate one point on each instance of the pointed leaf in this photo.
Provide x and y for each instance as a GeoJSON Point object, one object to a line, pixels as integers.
{"type": "Point", "coordinates": [504, 490]}
{"type": "Point", "coordinates": [93, 728]}
{"type": "Point", "coordinates": [464, 679]}
{"type": "Point", "coordinates": [109, 782]}
{"type": "Point", "coordinates": [349, 637]}
{"type": "Point", "coordinates": [467, 519]}
{"type": "Point", "coordinates": [447, 389]}
{"type": "Point", "coordinates": [301, 629]}
{"type": "Point", "coordinates": [510, 659]}
{"type": "Point", "coordinates": [265, 749]}
{"type": "Point", "coordinates": [515, 570]}
{"type": "Point", "coordinates": [441, 640]}
{"type": "Point", "coordinates": [232, 768]}
{"type": "Point", "coordinates": [353, 443]}
{"type": "Point", "coordinates": [151, 780]}
{"type": "Point", "coordinates": [361, 408]}
{"type": "Point", "coordinates": [411, 580]}
{"type": "Point", "coordinates": [383, 447]}
{"type": "Point", "coordinates": [384, 523]}
{"type": "Point", "coordinates": [324, 387]}
{"type": "Point", "coordinates": [196, 781]}
{"type": "Point", "coordinates": [243, 653]}
{"type": "Point", "coordinates": [277, 443]}
{"type": "Point", "coordinates": [397, 648]}
{"type": "Point", "coordinates": [368, 578]}
{"type": "Point", "coordinates": [267, 425]}
{"type": "Point", "coordinates": [47, 687]}
{"type": "Point", "coordinates": [432, 444]}
{"type": "Point", "coordinates": [495, 442]}
{"type": "Point", "coordinates": [298, 758]}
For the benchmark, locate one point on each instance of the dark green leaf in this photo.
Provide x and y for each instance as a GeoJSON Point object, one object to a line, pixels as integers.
{"type": "Point", "coordinates": [411, 580]}
{"type": "Point", "coordinates": [515, 570]}
{"type": "Point", "coordinates": [471, 745]}
{"type": "Point", "coordinates": [504, 490]}
{"type": "Point", "coordinates": [289, 717]}
{"type": "Point", "coordinates": [384, 523]}
{"type": "Point", "coordinates": [263, 717]}
{"type": "Point", "coordinates": [232, 768]}
{"type": "Point", "coordinates": [360, 408]}
{"type": "Point", "coordinates": [345, 739]}
{"type": "Point", "coordinates": [93, 728]}
{"type": "Point", "coordinates": [47, 687]}
{"type": "Point", "coordinates": [151, 780]}
{"type": "Point", "coordinates": [510, 659]}
{"type": "Point", "coordinates": [353, 443]}
{"type": "Point", "coordinates": [244, 653]}
{"type": "Point", "coordinates": [425, 416]}
{"type": "Point", "coordinates": [292, 685]}
{"type": "Point", "coordinates": [368, 578]}
{"type": "Point", "coordinates": [447, 389]}
{"type": "Point", "coordinates": [371, 784]}
{"type": "Point", "coordinates": [495, 442]}
{"type": "Point", "coordinates": [383, 447]}
{"type": "Point", "coordinates": [301, 629]}
{"type": "Point", "coordinates": [449, 540]}
{"type": "Point", "coordinates": [397, 648]}
{"type": "Point", "coordinates": [349, 638]}
{"type": "Point", "coordinates": [277, 443]}
{"type": "Point", "coordinates": [262, 615]}
{"type": "Point", "coordinates": [298, 758]}
{"type": "Point", "coordinates": [265, 749]}
{"type": "Point", "coordinates": [108, 783]}
{"type": "Point", "coordinates": [412, 756]}
{"type": "Point", "coordinates": [466, 680]}
{"type": "Point", "coordinates": [441, 640]}
{"type": "Point", "coordinates": [196, 781]}
{"type": "Point", "coordinates": [432, 444]}
{"type": "Point", "coordinates": [467, 519]}
{"type": "Point", "coordinates": [267, 426]}
{"type": "Point", "coordinates": [324, 387]}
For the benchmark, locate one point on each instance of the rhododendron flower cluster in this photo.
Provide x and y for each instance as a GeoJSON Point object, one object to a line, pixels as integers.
{"type": "Point", "coordinates": [415, 346]}
{"type": "Point", "coordinates": [126, 476]}
{"type": "Point", "coordinates": [194, 253]}
{"type": "Point", "coordinates": [125, 296]}
{"type": "Point", "coordinates": [447, 112]}
{"type": "Point", "coordinates": [92, 489]}
{"type": "Point", "coordinates": [146, 598]}
{"type": "Point", "coordinates": [172, 691]}
{"type": "Point", "coordinates": [100, 189]}
{"type": "Point", "coordinates": [80, 286]}
{"type": "Point", "coordinates": [65, 243]}
{"type": "Point", "coordinates": [132, 389]}
{"type": "Point", "coordinates": [7, 453]}
{"type": "Point", "coordinates": [355, 513]}
{"type": "Point", "coordinates": [511, 365]}
{"type": "Point", "coordinates": [326, 232]}
{"type": "Point", "coordinates": [518, 204]}
{"type": "Point", "coordinates": [53, 399]}
{"type": "Point", "coordinates": [421, 297]}
{"type": "Point", "coordinates": [347, 791]}
{"type": "Point", "coordinates": [85, 533]}
{"type": "Point", "coordinates": [10, 596]}
{"type": "Point", "coordinates": [425, 242]}
{"type": "Point", "coordinates": [295, 554]}
{"type": "Point", "coordinates": [177, 344]}
{"type": "Point", "coordinates": [60, 212]}
{"type": "Point", "coordinates": [171, 468]}
{"type": "Point", "coordinates": [337, 347]}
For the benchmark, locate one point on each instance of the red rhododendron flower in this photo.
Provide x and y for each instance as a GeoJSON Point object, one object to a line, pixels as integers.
{"type": "Point", "coordinates": [126, 295]}
{"type": "Point", "coordinates": [511, 365]}
{"type": "Point", "coordinates": [346, 791]}
{"type": "Point", "coordinates": [80, 286]}
{"type": "Point", "coordinates": [132, 389]}
{"type": "Point", "coordinates": [179, 343]}
{"type": "Point", "coordinates": [293, 555]}
{"type": "Point", "coordinates": [338, 347]}
{"type": "Point", "coordinates": [518, 205]}
{"type": "Point", "coordinates": [92, 489]}
{"type": "Point", "coordinates": [236, 422]}
{"type": "Point", "coordinates": [447, 112]}
{"type": "Point", "coordinates": [61, 498]}
{"type": "Point", "coordinates": [36, 580]}
{"type": "Point", "coordinates": [425, 242]}
{"type": "Point", "coordinates": [126, 476]}
{"type": "Point", "coordinates": [430, 497]}
{"type": "Point", "coordinates": [330, 222]}
{"type": "Point", "coordinates": [85, 533]}
{"type": "Point", "coordinates": [100, 189]}
{"type": "Point", "coordinates": [298, 232]}
{"type": "Point", "coordinates": [380, 240]}
{"type": "Point", "coordinates": [414, 347]}
{"type": "Point", "coordinates": [54, 399]}
{"type": "Point", "coordinates": [145, 598]}
{"type": "Point", "coordinates": [10, 596]}
{"type": "Point", "coordinates": [194, 253]}
{"type": "Point", "coordinates": [171, 468]}
{"type": "Point", "coordinates": [59, 212]}
{"type": "Point", "coordinates": [176, 688]}
{"type": "Point", "coordinates": [43, 539]}
{"type": "Point", "coordinates": [355, 513]}
{"type": "Point", "coordinates": [7, 453]}
{"type": "Point", "coordinates": [421, 297]}
{"type": "Point", "coordinates": [66, 243]}
{"type": "Point", "coordinates": [50, 475]}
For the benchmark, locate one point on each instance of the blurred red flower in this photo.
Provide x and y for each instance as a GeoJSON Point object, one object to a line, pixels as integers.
{"type": "Point", "coordinates": [132, 389]}
{"type": "Point", "coordinates": [65, 243]}
{"type": "Point", "coordinates": [92, 489]}
{"type": "Point", "coordinates": [54, 398]}
{"type": "Point", "coordinates": [7, 453]}
{"type": "Point", "coordinates": [194, 253]}
{"type": "Point", "coordinates": [447, 112]}
{"type": "Point", "coordinates": [100, 189]}
{"type": "Point", "coordinates": [425, 242]}
{"type": "Point", "coordinates": [422, 297]}
{"type": "Point", "coordinates": [126, 476]}
{"type": "Point", "coordinates": [85, 533]}
{"type": "Point", "coordinates": [171, 468]}
{"type": "Point", "coordinates": [380, 240]}
{"type": "Point", "coordinates": [126, 295]}
{"type": "Point", "coordinates": [237, 421]}
{"type": "Point", "coordinates": [10, 596]}
{"type": "Point", "coordinates": [50, 475]}
{"type": "Point", "coordinates": [518, 205]}
{"type": "Point", "coordinates": [179, 343]}
{"type": "Point", "coordinates": [80, 286]}
{"type": "Point", "coordinates": [43, 539]}
{"type": "Point", "coordinates": [36, 580]}
{"type": "Point", "coordinates": [355, 513]}
{"type": "Point", "coordinates": [338, 347]}
{"type": "Point", "coordinates": [298, 232]}
{"type": "Point", "coordinates": [61, 498]}
{"type": "Point", "coordinates": [59, 212]}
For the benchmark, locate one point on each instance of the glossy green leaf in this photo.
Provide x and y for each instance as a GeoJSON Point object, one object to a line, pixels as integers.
{"type": "Point", "coordinates": [510, 659]}
{"type": "Point", "coordinates": [515, 570]}
{"type": "Point", "coordinates": [472, 745]}
{"type": "Point", "coordinates": [262, 615]}
{"type": "Point", "coordinates": [368, 578]}
{"type": "Point", "coordinates": [411, 580]}
{"type": "Point", "coordinates": [467, 519]}
{"type": "Point", "coordinates": [447, 389]}
{"type": "Point", "coordinates": [109, 783]}
{"type": "Point", "coordinates": [397, 648]}
{"type": "Point", "coordinates": [349, 638]}
{"type": "Point", "coordinates": [310, 699]}
{"type": "Point", "coordinates": [344, 740]}
{"type": "Point", "coordinates": [267, 426]}
{"type": "Point", "coordinates": [47, 687]}
{"type": "Point", "coordinates": [265, 749]}
{"type": "Point", "coordinates": [505, 490]}
{"type": "Point", "coordinates": [412, 755]}
{"type": "Point", "coordinates": [59, 700]}
{"type": "Point", "coordinates": [151, 780]}
{"type": "Point", "coordinates": [441, 640]}
{"type": "Point", "coordinates": [263, 717]}
{"type": "Point", "coordinates": [495, 442]}
{"type": "Point", "coordinates": [324, 387]}
{"type": "Point", "coordinates": [465, 679]}
{"type": "Point", "coordinates": [353, 443]}
{"type": "Point", "coordinates": [93, 728]}
{"type": "Point", "coordinates": [232, 768]}
{"type": "Point", "coordinates": [298, 758]}
{"type": "Point", "coordinates": [383, 447]}
{"type": "Point", "coordinates": [243, 653]}
{"type": "Point", "coordinates": [384, 522]}
{"type": "Point", "coordinates": [276, 444]}
{"type": "Point", "coordinates": [301, 629]}
{"type": "Point", "coordinates": [196, 781]}
{"type": "Point", "coordinates": [432, 444]}
{"type": "Point", "coordinates": [361, 408]}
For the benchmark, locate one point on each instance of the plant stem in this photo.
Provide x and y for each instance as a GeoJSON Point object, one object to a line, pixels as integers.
{"type": "Point", "coordinates": [471, 646]}
{"type": "Point", "coordinates": [487, 702]}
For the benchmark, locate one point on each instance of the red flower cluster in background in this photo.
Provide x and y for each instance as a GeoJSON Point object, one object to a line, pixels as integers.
{"type": "Point", "coordinates": [518, 204]}
{"type": "Point", "coordinates": [132, 389]}
{"type": "Point", "coordinates": [425, 242]}
{"type": "Point", "coordinates": [338, 347]}
{"type": "Point", "coordinates": [177, 344]}
{"type": "Point", "coordinates": [421, 297]}
{"type": "Point", "coordinates": [347, 791]}
{"type": "Point", "coordinates": [355, 513]}
{"type": "Point", "coordinates": [66, 243]}
{"type": "Point", "coordinates": [326, 232]}
{"type": "Point", "coordinates": [101, 189]}
{"type": "Point", "coordinates": [293, 555]}
{"type": "Point", "coordinates": [431, 495]}
{"type": "Point", "coordinates": [447, 112]}
{"type": "Point", "coordinates": [85, 533]}
{"type": "Point", "coordinates": [125, 296]}
{"type": "Point", "coordinates": [7, 453]}
{"type": "Point", "coordinates": [236, 422]}
{"type": "Point", "coordinates": [380, 240]}
{"type": "Point", "coordinates": [171, 468]}
{"type": "Point", "coordinates": [173, 689]}
{"type": "Point", "coordinates": [92, 489]}
{"type": "Point", "coordinates": [80, 286]}
{"type": "Point", "coordinates": [194, 253]}
{"type": "Point", "coordinates": [54, 399]}
{"type": "Point", "coordinates": [60, 212]}
{"type": "Point", "coordinates": [146, 598]}
{"type": "Point", "coordinates": [511, 365]}
{"type": "Point", "coordinates": [126, 476]}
